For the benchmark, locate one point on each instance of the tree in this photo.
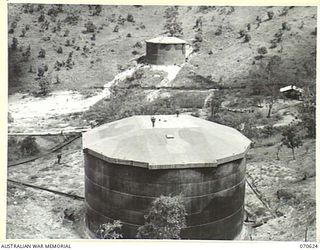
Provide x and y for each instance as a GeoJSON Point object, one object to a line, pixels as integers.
{"type": "Point", "coordinates": [215, 104]}
{"type": "Point", "coordinates": [266, 81]}
{"type": "Point", "coordinates": [44, 85]}
{"type": "Point", "coordinates": [307, 111]}
{"type": "Point", "coordinates": [109, 230]}
{"type": "Point", "coordinates": [165, 219]}
{"type": "Point", "coordinates": [172, 26]}
{"type": "Point", "coordinates": [291, 138]}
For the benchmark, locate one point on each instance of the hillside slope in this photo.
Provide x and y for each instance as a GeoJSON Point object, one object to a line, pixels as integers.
{"type": "Point", "coordinates": [223, 57]}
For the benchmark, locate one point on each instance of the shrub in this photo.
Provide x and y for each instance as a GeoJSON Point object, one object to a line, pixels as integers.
{"type": "Point", "coordinates": [130, 18]}
{"type": "Point", "coordinates": [58, 26]}
{"type": "Point", "coordinates": [58, 65]}
{"type": "Point", "coordinates": [273, 44]}
{"type": "Point", "coordinates": [267, 131]}
{"type": "Point", "coordinates": [174, 28]}
{"type": "Point", "coordinates": [85, 49]}
{"type": "Point", "coordinates": [218, 32]}
{"type": "Point", "coordinates": [284, 11]}
{"type": "Point", "coordinates": [90, 27]}
{"type": "Point", "coordinates": [247, 38]}
{"type": "Point", "coordinates": [10, 118]}
{"type": "Point", "coordinates": [262, 50]}
{"type": "Point", "coordinates": [242, 33]}
{"type": "Point", "coordinates": [26, 55]}
{"type": "Point", "coordinates": [69, 61]}
{"type": "Point", "coordinates": [41, 71]}
{"type": "Point", "coordinates": [72, 19]}
{"type": "Point", "coordinates": [30, 69]}
{"type": "Point", "coordinates": [270, 15]}
{"type": "Point", "coordinates": [40, 7]}
{"type": "Point", "coordinates": [42, 53]}
{"type": "Point", "coordinates": [109, 230]}
{"type": "Point", "coordinates": [23, 33]}
{"type": "Point", "coordinates": [121, 20]}
{"type": "Point", "coordinates": [13, 25]}
{"type": "Point", "coordinates": [66, 33]}
{"type": "Point", "coordinates": [97, 10]}
{"type": "Point", "coordinates": [165, 219]}
{"type": "Point", "coordinates": [116, 28]}
{"type": "Point", "coordinates": [59, 50]}
{"type": "Point", "coordinates": [29, 146]}
{"type": "Point", "coordinates": [198, 37]}
{"type": "Point", "coordinates": [137, 45]}
{"type": "Point", "coordinates": [14, 44]}
{"type": "Point", "coordinates": [41, 18]}
{"type": "Point", "coordinates": [57, 80]}
{"type": "Point", "coordinates": [52, 12]}
{"type": "Point", "coordinates": [286, 26]}
{"type": "Point", "coordinates": [279, 34]}
{"type": "Point", "coordinates": [67, 44]}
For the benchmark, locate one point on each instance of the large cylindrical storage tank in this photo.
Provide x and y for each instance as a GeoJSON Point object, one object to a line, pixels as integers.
{"type": "Point", "coordinates": [129, 163]}
{"type": "Point", "coordinates": [165, 51]}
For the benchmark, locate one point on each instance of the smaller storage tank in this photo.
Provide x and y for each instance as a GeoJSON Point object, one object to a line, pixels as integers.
{"type": "Point", "coordinates": [165, 51]}
{"type": "Point", "coordinates": [132, 161]}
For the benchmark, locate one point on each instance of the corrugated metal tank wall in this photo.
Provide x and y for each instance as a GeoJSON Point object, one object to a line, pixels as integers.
{"type": "Point", "coordinates": [214, 197]}
{"type": "Point", "coordinates": [165, 54]}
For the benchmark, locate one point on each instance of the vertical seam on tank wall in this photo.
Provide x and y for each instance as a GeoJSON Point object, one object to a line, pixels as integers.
{"type": "Point", "coordinates": [154, 197]}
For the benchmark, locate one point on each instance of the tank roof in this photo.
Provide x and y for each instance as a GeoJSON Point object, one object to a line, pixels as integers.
{"type": "Point", "coordinates": [166, 40]}
{"type": "Point", "coordinates": [174, 142]}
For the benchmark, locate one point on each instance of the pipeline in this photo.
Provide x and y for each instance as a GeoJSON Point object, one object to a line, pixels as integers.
{"type": "Point", "coordinates": [260, 198]}
{"type": "Point", "coordinates": [77, 197]}
{"type": "Point", "coordinates": [54, 149]}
